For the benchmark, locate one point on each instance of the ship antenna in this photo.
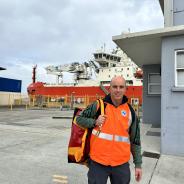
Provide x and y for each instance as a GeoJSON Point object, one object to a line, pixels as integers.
{"type": "Point", "coordinates": [104, 47]}
{"type": "Point", "coordinates": [34, 74]}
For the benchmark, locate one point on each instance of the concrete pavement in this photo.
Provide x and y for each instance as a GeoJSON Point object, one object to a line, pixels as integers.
{"type": "Point", "coordinates": [33, 150]}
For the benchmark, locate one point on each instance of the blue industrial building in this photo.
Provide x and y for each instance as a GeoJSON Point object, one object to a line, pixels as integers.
{"type": "Point", "coordinates": [10, 89]}
{"type": "Point", "coordinates": [10, 85]}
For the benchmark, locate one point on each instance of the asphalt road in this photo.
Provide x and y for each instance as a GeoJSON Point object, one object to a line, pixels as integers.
{"type": "Point", "coordinates": [33, 148]}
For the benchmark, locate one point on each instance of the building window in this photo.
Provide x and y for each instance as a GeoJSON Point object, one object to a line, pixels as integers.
{"type": "Point", "coordinates": [179, 68]}
{"type": "Point", "coordinates": [154, 84]}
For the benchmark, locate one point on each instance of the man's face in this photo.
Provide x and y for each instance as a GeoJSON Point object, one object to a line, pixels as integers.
{"type": "Point", "coordinates": [117, 89]}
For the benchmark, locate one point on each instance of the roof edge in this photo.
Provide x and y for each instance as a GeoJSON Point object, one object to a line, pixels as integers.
{"type": "Point", "coordinates": [163, 31]}
{"type": "Point", "coordinates": [162, 5]}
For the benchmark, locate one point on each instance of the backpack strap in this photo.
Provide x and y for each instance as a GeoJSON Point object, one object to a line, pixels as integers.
{"type": "Point", "coordinates": [100, 108]}
{"type": "Point", "coordinates": [101, 111]}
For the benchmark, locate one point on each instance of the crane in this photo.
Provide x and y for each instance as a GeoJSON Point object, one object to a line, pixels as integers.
{"type": "Point", "coordinates": [80, 70]}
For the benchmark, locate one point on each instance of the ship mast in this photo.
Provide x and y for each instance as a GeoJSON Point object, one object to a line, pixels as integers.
{"type": "Point", "coordinates": [34, 74]}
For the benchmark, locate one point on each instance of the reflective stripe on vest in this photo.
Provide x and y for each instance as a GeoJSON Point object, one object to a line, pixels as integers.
{"type": "Point", "coordinates": [109, 137]}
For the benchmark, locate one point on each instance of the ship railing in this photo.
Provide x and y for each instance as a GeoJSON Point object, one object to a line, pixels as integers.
{"type": "Point", "coordinates": [60, 84]}
{"type": "Point", "coordinates": [72, 101]}
{"type": "Point", "coordinates": [67, 101]}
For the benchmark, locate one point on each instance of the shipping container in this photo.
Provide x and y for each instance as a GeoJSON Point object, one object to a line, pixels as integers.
{"type": "Point", "coordinates": [10, 85]}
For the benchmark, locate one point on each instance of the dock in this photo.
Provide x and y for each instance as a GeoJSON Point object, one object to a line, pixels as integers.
{"type": "Point", "coordinates": [33, 150]}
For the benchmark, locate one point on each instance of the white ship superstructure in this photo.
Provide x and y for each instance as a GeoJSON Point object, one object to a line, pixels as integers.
{"type": "Point", "coordinates": [104, 65]}
{"type": "Point", "coordinates": [114, 64]}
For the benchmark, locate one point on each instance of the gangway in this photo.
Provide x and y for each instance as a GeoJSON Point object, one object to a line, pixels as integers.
{"type": "Point", "coordinates": [104, 89]}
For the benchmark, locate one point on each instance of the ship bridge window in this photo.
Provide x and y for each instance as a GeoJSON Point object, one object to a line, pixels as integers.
{"type": "Point", "coordinates": [100, 55]}
{"type": "Point", "coordinates": [130, 82]}
{"type": "Point", "coordinates": [111, 57]}
{"type": "Point", "coordinates": [96, 56]}
{"type": "Point", "coordinates": [108, 57]}
{"type": "Point", "coordinates": [104, 64]}
{"type": "Point", "coordinates": [104, 55]}
{"type": "Point", "coordinates": [119, 59]}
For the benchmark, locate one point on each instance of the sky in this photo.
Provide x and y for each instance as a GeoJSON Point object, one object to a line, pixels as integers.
{"type": "Point", "coordinates": [57, 32]}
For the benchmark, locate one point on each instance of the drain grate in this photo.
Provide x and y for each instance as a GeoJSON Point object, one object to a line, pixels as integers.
{"type": "Point", "coordinates": [18, 124]}
{"type": "Point", "coordinates": [59, 127]}
{"type": "Point", "coordinates": [151, 155]}
{"type": "Point", "coordinates": [62, 117]}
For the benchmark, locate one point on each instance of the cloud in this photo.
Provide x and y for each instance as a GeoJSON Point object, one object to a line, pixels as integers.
{"type": "Point", "coordinates": [56, 32]}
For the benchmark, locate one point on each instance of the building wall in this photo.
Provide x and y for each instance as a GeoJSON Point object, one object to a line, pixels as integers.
{"type": "Point", "coordinates": [8, 98]}
{"type": "Point", "coordinates": [173, 12]}
{"type": "Point", "coordinates": [172, 102]}
{"type": "Point", "coordinates": [178, 12]}
{"type": "Point", "coordinates": [168, 14]}
{"type": "Point", "coordinates": [151, 103]}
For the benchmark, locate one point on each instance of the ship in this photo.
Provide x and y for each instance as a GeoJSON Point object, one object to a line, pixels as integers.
{"type": "Point", "coordinates": [92, 78]}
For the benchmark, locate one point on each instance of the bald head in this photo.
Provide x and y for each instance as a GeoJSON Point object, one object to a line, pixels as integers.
{"type": "Point", "coordinates": [120, 79]}
{"type": "Point", "coordinates": [117, 89]}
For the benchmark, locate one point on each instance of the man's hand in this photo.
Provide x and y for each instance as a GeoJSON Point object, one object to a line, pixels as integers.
{"type": "Point", "coordinates": [138, 174]}
{"type": "Point", "coordinates": [100, 120]}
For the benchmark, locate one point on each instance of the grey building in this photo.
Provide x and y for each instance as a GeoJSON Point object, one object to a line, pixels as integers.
{"type": "Point", "coordinates": [160, 53]}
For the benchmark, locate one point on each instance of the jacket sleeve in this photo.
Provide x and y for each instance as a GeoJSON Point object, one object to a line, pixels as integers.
{"type": "Point", "coordinates": [135, 141]}
{"type": "Point", "coordinates": [87, 117]}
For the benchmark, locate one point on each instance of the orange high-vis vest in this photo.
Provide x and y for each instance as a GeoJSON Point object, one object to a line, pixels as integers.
{"type": "Point", "coordinates": [112, 145]}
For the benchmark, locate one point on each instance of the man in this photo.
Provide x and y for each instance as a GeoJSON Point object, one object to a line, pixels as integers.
{"type": "Point", "coordinates": [115, 135]}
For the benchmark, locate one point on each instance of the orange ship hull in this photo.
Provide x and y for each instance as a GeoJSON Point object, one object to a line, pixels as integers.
{"type": "Point", "coordinates": [39, 88]}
